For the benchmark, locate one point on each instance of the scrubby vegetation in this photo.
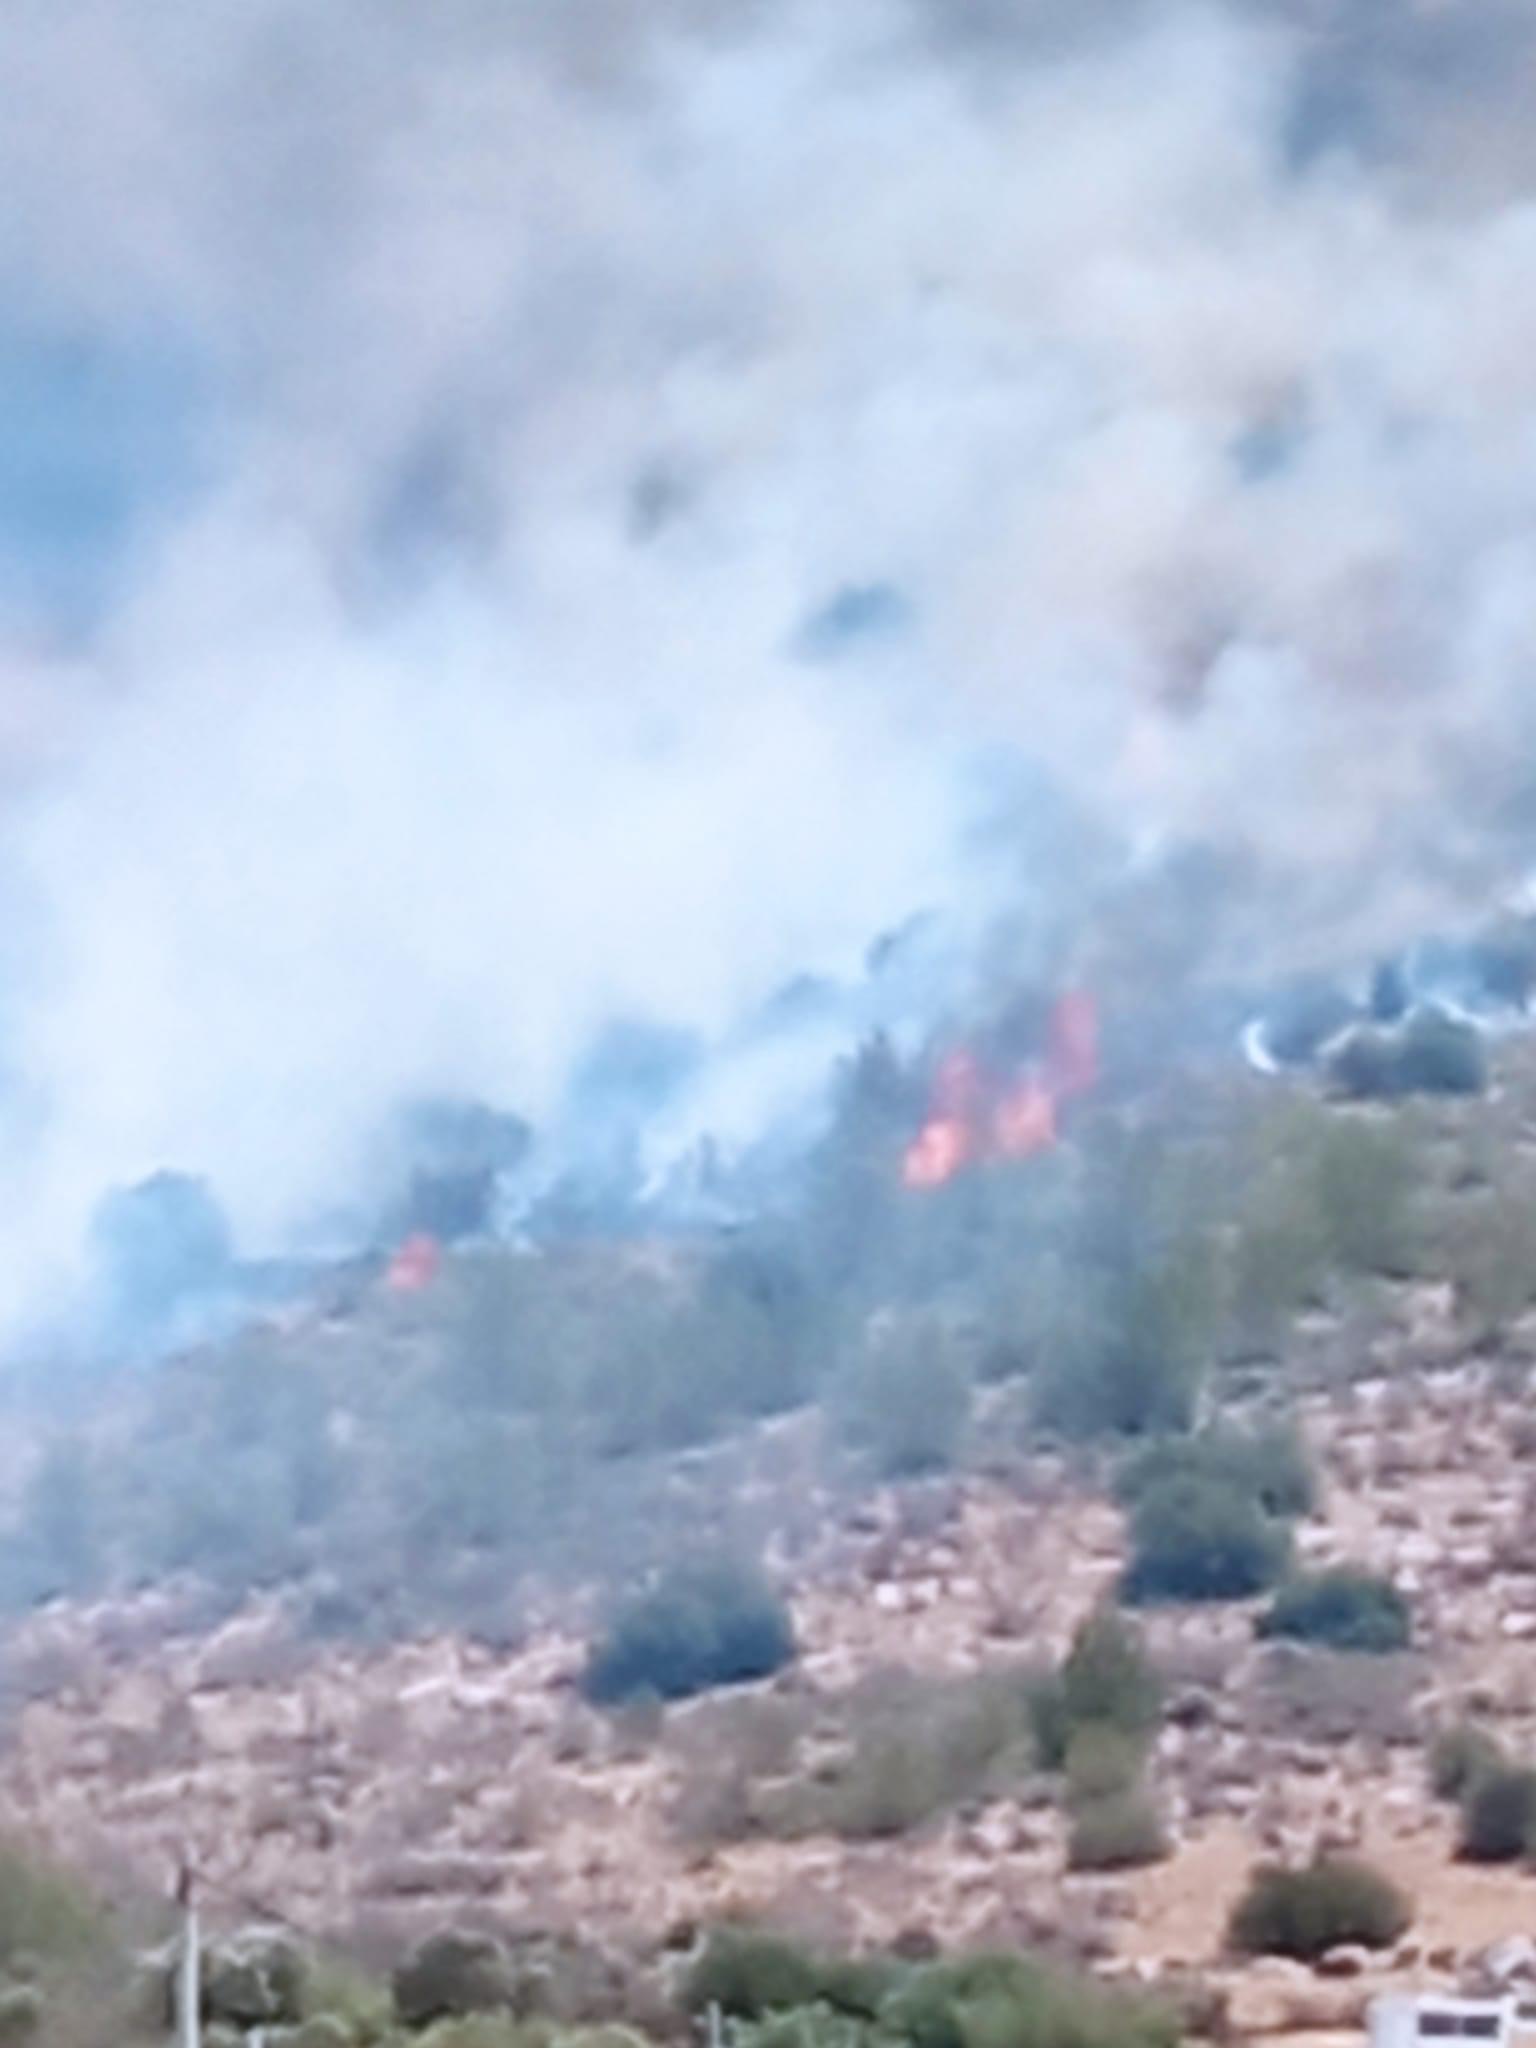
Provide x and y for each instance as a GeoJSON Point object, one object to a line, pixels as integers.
{"type": "Point", "coordinates": [1270, 1464]}
{"type": "Point", "coordinates": [699, 1625]}
{"type": "Point", "coordinates": [522, 1414]}
{"type": "Point", "coordinates": [1194, 1538]}
{"type": "Point", "coordinates": [1459, 1756]}
{"type": "Point", "coordinates": [998, 1998]}
{"type": "Point", "coordinates": [1344, 1609]}
{"type": "Point", "coordinates": [74, 1975]}
{"type": "Point", "coordinates": [1105, 1685]}
{"type": "Point", "coordinates": [1498, 1814]}
{"type": "Point", "coordinates": [894, 1751]}
{"type": "Point", "coordinates": [1116, 1831]}
{"type": "Point", "coordinates": [1304, 1913]}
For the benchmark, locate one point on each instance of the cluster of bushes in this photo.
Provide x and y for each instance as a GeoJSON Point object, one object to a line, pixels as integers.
{"type": "Point", "coordinates": [1333, 1902]}
{"type": "Point", "coordinates": [784, 1996]}
{"type": "Point", "coordinates": [1495, 1796]}
{"type": "Point", "coordinates": [893, 1750]}
{"type": "Point", "coordinates": [1209, 1513]}
{"type": "Point", "coordinates": [1094, 1721]}
{"type": "Point", "coordinates": [899, 1748]}
{"type": "Point", "coordinates": [710, 1623]}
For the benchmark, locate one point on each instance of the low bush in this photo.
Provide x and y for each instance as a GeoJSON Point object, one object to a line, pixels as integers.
{"type": "Point", "coordinates": [1304, 1913]}
{"type": "Point", "coordinates": [807, 2026]}
{"type": "Point", "coordinates": [1201, 1539]}
{"type": "Point", "coordinates": [1459, 1756]}
{"type": "Point", "coordinates": [1013, 2001]}
{"type": "Point", "coordinates": [1498, 1815]}
{"type": "Point", "coordinates": [1347, 1610]}
{"type": "Point", "coordinates": [747, 1973]}
{"type": "Point", "coordinates": [1270, 1463]}
{"type": "Point", "coordinates": [1102, 1762]}
{"type": "Point", "coordinates": [700, 1625]}
{"type": "Point", "coordinates": [1117, 1832]}
{"type": "Point", "coordinates": [750, 1973]}
{"type": "Point", "coordinates": [1105, 1682]}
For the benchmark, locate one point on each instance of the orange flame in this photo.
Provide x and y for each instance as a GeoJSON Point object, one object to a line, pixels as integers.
{"type": "Point", "coordinates": [414, 1265]}
{"type": "Point", "coordinates": [1025, 1120]}
{"type": "Point", "coordinates": [968, 1123]}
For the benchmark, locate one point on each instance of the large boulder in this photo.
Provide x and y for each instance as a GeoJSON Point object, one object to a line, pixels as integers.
{"type": "Point", "coordinates": [451, 1975]}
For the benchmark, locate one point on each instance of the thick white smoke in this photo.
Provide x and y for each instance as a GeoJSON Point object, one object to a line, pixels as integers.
{"type": "Point", "coordinates": [551, 365]}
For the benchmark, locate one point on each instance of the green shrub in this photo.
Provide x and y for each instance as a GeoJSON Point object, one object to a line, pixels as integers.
{"type": "Point", "coordinates": [1013, 2001]}
{"type": "Point", "coordinates": [1201, 1539]}
{"type": "Point", "coordinates": [1304, 1913]}
{"type": "Point", "coordinates": [1498, 1815]}
{"type": "Point", "coordinates": [1105, 1682]}
{"type": "Point", "coordinates": [324, 2030]}
{"type": "Point", "coordinates": [906, 1399]}
{"type": "Point", "coordinates": [1116, 1832]}
{"type": "Point", "coordinates": [1347, 1610]}
{"type": "Point", "coordinates": [807, 2026]}
{"type": "Point", "coordinates": [483, 2030]}
{"type": "Point", "coordinates": [1270, 1463]}
{"type": "Point", "coordinates": [700, 1625]}
{"type": "Point", "coordinates": [747, 1973]}
{"type": "Point", "coordinates": [750, 1974]}
{"type": "Point", "coordinates": [1459, 1756]}
{"type": "Point", "coordinates": [1105, 1676]}
{"type": "Point", "coordinates": [1100, 1762]}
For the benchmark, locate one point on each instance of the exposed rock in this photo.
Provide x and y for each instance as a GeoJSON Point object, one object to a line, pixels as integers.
{"type": "Point", "coordinates": [1347, 1960]}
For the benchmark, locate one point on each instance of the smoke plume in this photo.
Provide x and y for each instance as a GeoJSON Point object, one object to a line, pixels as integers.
{"type": "Point", "coordinates": [520, 515]}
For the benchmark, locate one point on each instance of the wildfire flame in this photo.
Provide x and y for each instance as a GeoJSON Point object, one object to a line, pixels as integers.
{"type": "Point", "coordinates": [415, 1265]}
{"type": "Point", "coordinates": [971, 1119]}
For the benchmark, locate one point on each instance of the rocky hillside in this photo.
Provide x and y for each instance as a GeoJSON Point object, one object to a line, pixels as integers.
{"type": "Point", "coordinates": [441, 1780]}
{"type": "Point", "coordinates": [964, 1499]}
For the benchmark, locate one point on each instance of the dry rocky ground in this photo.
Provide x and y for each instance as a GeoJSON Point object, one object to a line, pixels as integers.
{"type": "Point", "coordinates": [441, 1779]}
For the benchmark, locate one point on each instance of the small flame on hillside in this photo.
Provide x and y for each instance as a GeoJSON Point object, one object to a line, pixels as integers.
{"type": "Point", "coordinates": [974, 1116]}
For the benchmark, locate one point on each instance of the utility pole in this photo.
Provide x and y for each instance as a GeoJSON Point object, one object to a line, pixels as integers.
{"type": "Point", "coordinates": [189, 1985]}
